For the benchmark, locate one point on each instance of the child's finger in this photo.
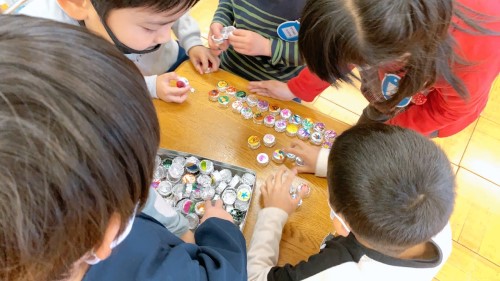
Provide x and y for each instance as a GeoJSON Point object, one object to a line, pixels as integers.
{"type": "Point", "coordinates": [278, 179]}
{"type": "Point", "coordinates": [269, 181]}
{"type": "Point", "coordinates": [263, 189]}
{"type": "Point", "coordinates": [218, 204]}
{"type": "Point", "coordinates": [168, 76]}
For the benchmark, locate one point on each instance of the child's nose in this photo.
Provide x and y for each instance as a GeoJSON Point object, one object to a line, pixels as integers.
{"type": "Point", "coordinates": [163, 35]}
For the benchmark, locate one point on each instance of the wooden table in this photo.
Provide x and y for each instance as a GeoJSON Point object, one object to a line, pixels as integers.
{"type": "Point", "coordinates": [201, 127]}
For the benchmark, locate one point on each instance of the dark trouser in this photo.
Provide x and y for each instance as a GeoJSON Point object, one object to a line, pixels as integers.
{"type": "Point", "coordinates": [372, 115]}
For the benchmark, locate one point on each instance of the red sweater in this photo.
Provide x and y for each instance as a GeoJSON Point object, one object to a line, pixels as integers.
{"type": "Point", "coordinates": [444, 111]}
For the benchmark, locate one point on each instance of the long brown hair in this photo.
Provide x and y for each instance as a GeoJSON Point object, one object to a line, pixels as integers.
{"type": "Point", "coordinates": [78, 139]}
{"type": "Point", "coordinates": [336, 33]}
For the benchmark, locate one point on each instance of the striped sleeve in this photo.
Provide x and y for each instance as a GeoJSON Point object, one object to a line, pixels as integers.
{"type": "Point", "coordinates": [284, 52]}
{"type": "Point", "coordinates": [224, 13]}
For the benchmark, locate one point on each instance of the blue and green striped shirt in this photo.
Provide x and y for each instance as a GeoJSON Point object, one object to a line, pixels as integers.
{"type": "Point", "coordinates": [262, 17]}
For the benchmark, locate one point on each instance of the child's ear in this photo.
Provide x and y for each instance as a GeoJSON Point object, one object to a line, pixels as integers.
{"type": "Point", "coordinates": [104, 249]}
{"type": "Point", "coordinates": [76, 9]}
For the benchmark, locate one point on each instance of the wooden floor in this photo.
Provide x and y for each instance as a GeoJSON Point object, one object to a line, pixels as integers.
{"type": "Point", "coordinates": [474, 152]}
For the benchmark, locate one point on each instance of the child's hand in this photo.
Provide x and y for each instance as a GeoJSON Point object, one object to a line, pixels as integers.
{"type": "Point", "coordinates": [215, 211]}
{"type": "Point", "coordinates": [308, 153]}
{"type": "Point", "coordinates": [215, 30]}
{"type": "Point", "coordinates": [276, 191]}
{"type": "Point", "coordinates": [271, 88]}
{"type": "Point", "coordinates": [249, 43]}
{"type": "Point", "coordinates": [169, 93]}
{"type": "Point", "coordinates": [203, 60]}
{"type": "Point", "coordinates": [188, 237]}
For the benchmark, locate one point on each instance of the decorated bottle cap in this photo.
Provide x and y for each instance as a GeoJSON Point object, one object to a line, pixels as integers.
{"type": "Point", "coordinates": [231, 90]}
{"type": "Point", "coordinates": [234, 181]}
{"type": "Point", "coordinates": [258, 118]}
{"type": "Point", "coordinates": [213, 95]}
{"type": "Point", "coordinates": [319, 127]}
{"type": "Point", "coordinates": [329, 135]}
{"type": "Point", "coordinates": [166, 163]}
{"type": "Point", "coordinates": [244, 192]}
{"type": "Point", "coordinates": [303, 134]}
{"type": "Point", "coordinates": [188, 178]}
{"type": "Point", "coordinates": [226, 175]}
{"type": "Point", "coordinates": [178, 191]}
{"type": "Point", "coordinates": [186, 206]}
{"type": "Point", "coordinates": [179, 160]}
{"type": "Point", "coordinates": [241, 95]}
{"type": "Point", "coordinates": [193, 221]}
{"type": "Point", "coordinates": [316, 138]}
{"type": "Point", "coordinates": [207, 193]}
{"type": "Point", "coordinates": [157, 161]}
{"type": "Point", "coordinates": [305, 189]}
{"type": "Point", "coordinates": [295, 119]}
{"type": "Point", "coordinates": [228, 196]}
{"type": "Point", "coordinates": [327, 145]}
{"type": "Point", "coordinates": [241, 205]}
{"type": "Point", "coordinates": [279, 156]}
{"type": "Point", "coordinates": [285, 113]}
{"type": "Point", "coordinates": [221, 187]}
{"type": "Point", "coordinates": [154, 184]}
{"type": "Point", "coordinates": [164, 188]}
{"type": "Point", "coordinates": [204, 180]}
{"type": "Point", "coordinates": [206, 167]}
{"type": "Point", "coordinates": [159, 173]}
{"type": "Point", "coordinates": [246, 112]}
{"type": "Point", "coordinates": [262, 106]}
{"type": "Point", "coordinates": [280, 126]}
{"type": "Point", "coordinates": [192, 165]}
{"type": "Point", "coordinates": [225, 33]}
{"type": "Point", "coordinates": [299, 161]}
{"type": "Point", "coordinates": [262, 159]}
{"type": "Point", "coordinates": [274, 109]}
{"type": "Point", "coordinates": [199, 208]}
{"type": "Point", "coordinates": [196, 194]}
{"type": "Point", "coordinates": [188, 189]}
{"type": "Point", "coordinates": [248, 179]}
{"type": "Point", "coordinates": [175, 172]}
{"type": "Point", "coordinates": [307, 123]}
{"type": "Point", "coordinates": [269, 120]}
{"type": "Point", "coordinates": [291, 130]}
{"type": "Point", "coordinates": [237, 106]}
{"type": "Point", "coordinates": [182, 82]}
{"type": "Point", "coordinates": [254, 142]}
{"type": "Point", "coordinates": [269, 140]}
{"type": "Point", "coordinates": [419, 99]}
{"type": "Point", "coordinates": [223, 101]}
{"type": "Point", "coordinates": [216, 177]}
{"type": "Point", "coordinates": [290, 156]}
{"type": "Point", "coordinates": [237, 215]}
{"type": "Point", "coordinates": [252, 100]}
{"type": "Point", "coordinates": [222, 86]}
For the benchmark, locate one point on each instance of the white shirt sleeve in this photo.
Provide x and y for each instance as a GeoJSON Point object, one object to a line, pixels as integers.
{"type": "Point", "coordinates": [264, 248]}
{"type": "Point", "coordinates": [187, 31]}
{"type": "Point", "coordinates": [322, 162]}
{"type": "Point", "coordinates": [151, 84]}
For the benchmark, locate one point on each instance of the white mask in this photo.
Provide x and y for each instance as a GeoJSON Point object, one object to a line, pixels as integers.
{"type": "Point", "coordinates": [333, 215]}
{"type": "Point", "coordinates": [94, 259]}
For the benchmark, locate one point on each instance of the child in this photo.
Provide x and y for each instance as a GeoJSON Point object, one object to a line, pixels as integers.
{"type": "Point", "coordinates": [140, 29]}
{"type": "Point", "coordinates": [416, 72]}
{"type": "Point", "coordinates": [391, 194]}
{"type": "Point", "coordinates": [79, 139]}
{"type": "Point", "coordinates": [255, 50]}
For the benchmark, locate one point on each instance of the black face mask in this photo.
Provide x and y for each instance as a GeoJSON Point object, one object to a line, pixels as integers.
{"type": "Point", "coordinates": [124, 48]}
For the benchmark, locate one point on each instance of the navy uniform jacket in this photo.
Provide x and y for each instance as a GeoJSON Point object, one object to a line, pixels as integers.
{"type": "Point", "coordinates": [151, 252]}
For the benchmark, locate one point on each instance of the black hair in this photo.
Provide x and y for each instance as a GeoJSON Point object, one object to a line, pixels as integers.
{"type": "Point", "coordinates": [336, 34]}
{"type": "Point", "coordinates": [394, 187]}
{"type": "Point", "coordinates": [103, 7]}
{"type": "Point", "coordinates": [79, 135]}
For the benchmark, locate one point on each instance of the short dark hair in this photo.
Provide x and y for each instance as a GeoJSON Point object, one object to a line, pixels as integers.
{"type": "Point", "coordinates": [394, 187]}
{"type": "Point", "coordinates": [103, 7]}
{"type": "Point", "coordinates": [337, 33]}
{"type": "Point", "coordinates": [78, 138]}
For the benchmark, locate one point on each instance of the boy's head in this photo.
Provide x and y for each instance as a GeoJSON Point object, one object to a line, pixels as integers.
{"type": "Point", "coordinates": [138, 26]}
{"type": "Point", "coordinates": [78, 139]}
{"type": "Point", "coordinates": [393, 187]}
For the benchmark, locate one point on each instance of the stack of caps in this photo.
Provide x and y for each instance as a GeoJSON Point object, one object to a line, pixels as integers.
{"type": "Point", "coordinates": [186, 182]}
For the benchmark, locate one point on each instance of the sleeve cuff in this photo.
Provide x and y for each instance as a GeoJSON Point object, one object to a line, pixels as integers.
{"type": "Point", "coordinates": [322, 162]}
{"type": "Point", "coordinates": [151, 84]}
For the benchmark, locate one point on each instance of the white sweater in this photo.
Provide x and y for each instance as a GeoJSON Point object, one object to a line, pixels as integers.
{"type": "Point", "coordinates": [151, 64]}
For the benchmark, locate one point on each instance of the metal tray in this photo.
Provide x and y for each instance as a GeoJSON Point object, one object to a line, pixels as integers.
{"type": "Point", "coordinates": [166, 154]}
